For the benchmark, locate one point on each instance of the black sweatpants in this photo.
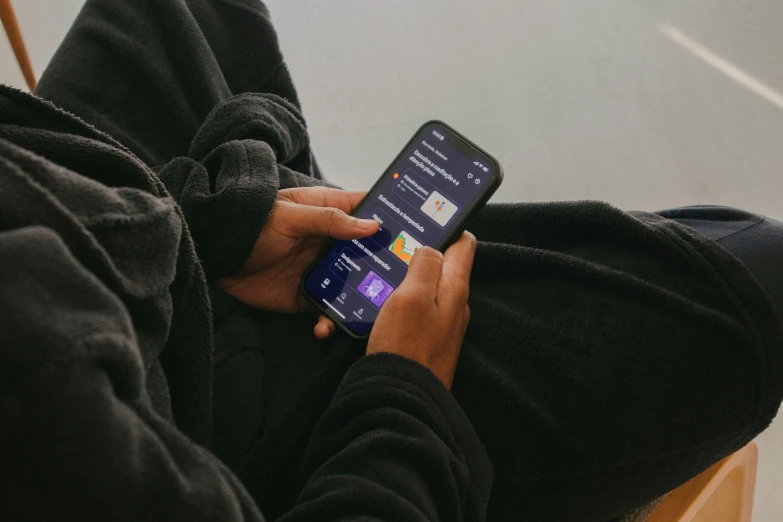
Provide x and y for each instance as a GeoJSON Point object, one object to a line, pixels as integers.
{"type": "Point", "coordinates": [755, 240]}
{"type": "Point", "coordinates": [611, 356]}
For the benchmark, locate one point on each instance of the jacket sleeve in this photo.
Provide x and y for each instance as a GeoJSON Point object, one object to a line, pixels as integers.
{"type": "Point", "coordinates": [199, 90]}
{"type": "Point", "coordinates": [79, 439]}
{"type": "Point", "coordinates": [228, 183]}
{"type": "Point", "coordinates": [393, 445]}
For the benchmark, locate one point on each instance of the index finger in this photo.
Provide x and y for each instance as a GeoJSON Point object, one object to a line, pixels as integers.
{"type": "Point", "coordinates": [324, 197]}
{"type": "Point", "coordinates": [457, 265]}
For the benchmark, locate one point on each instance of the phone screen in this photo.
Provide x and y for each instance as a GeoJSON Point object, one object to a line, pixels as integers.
{"type": "Point", "coordinates": [424, 198]}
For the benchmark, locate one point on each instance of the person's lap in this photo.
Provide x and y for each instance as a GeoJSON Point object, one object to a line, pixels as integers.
{"type": "Point", "coordinates": [589, 411]}
{"type": "Point", "coordinates": [586, 412]}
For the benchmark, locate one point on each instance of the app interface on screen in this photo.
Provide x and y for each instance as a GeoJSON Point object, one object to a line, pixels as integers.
{"type": "Point", "coordinates": [417, 203]}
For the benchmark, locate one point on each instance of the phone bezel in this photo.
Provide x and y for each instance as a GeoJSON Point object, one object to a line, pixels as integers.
{"type": "Point", "coordinates": [457, 227]}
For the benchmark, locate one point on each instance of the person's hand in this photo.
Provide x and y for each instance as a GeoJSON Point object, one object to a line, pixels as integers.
{"type": "Point", "coordinates": [301, 222]}
{"type": "Point", "coordinates": [425, 318]}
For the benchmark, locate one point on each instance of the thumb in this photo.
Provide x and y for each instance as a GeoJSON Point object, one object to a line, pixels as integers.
{"type": "Point", "coordinates": [304, 220]}
{"type": "Point", "coordinates": [424, 273]}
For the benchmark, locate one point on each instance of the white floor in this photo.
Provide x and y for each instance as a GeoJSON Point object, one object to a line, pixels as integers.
{"type": "Point", "coordinates": [643, 104]}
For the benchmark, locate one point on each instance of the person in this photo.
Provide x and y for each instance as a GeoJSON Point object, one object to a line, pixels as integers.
{"type": "Point", "coordinates": [159, 204]}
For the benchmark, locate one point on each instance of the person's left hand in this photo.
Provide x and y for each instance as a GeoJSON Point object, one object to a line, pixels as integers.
{"type": "Point", "coordinates": [301, 222]}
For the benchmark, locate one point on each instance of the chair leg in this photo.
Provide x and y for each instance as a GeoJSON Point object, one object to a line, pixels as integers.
{"type": "Point", "coordinates": [723, 492]}
{"type": "Point", "coordinates": [733, 496]}
{"type": "Point", "coordinates": [17, 43]}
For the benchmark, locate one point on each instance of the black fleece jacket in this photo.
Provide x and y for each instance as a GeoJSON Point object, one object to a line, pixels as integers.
{"type": "Point", "coordinates": [107, 358]}
{"type": "Point", "coordinates": [106, 344]}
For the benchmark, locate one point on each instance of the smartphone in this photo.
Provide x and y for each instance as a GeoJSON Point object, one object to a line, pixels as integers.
{"type": "Point", "coordinates": [426, 197]}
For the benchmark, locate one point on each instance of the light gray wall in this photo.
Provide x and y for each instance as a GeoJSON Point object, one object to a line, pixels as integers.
{"type": "Point", "coordinates": [577, 99]}
{"type": "Point", "coordinates": [44, 24]}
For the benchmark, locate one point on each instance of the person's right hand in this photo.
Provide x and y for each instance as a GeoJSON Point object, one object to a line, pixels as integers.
{"type": "Point", "coordinates": [425, 318]}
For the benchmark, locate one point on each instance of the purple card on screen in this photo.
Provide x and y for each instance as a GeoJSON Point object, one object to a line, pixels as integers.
{"type": "Point", "coordinates": [375, 289]}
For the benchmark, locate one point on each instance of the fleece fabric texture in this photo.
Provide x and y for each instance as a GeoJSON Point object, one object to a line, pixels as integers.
{"type": "Point", "coordinates": [199, 90]}
{"type": "Point", "coordinates": [107, 361]}
{"type": "Point", "coordinates": [610, 357]}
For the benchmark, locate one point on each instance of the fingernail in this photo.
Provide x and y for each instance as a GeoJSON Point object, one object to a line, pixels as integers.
{"type": "Point", "coordinates": [367, 223]}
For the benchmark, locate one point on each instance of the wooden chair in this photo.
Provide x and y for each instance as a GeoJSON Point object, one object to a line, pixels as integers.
{"type": "Point", "coordinates": [11, 25]}
{"type": "Point", "coordinates": [723, 493]}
